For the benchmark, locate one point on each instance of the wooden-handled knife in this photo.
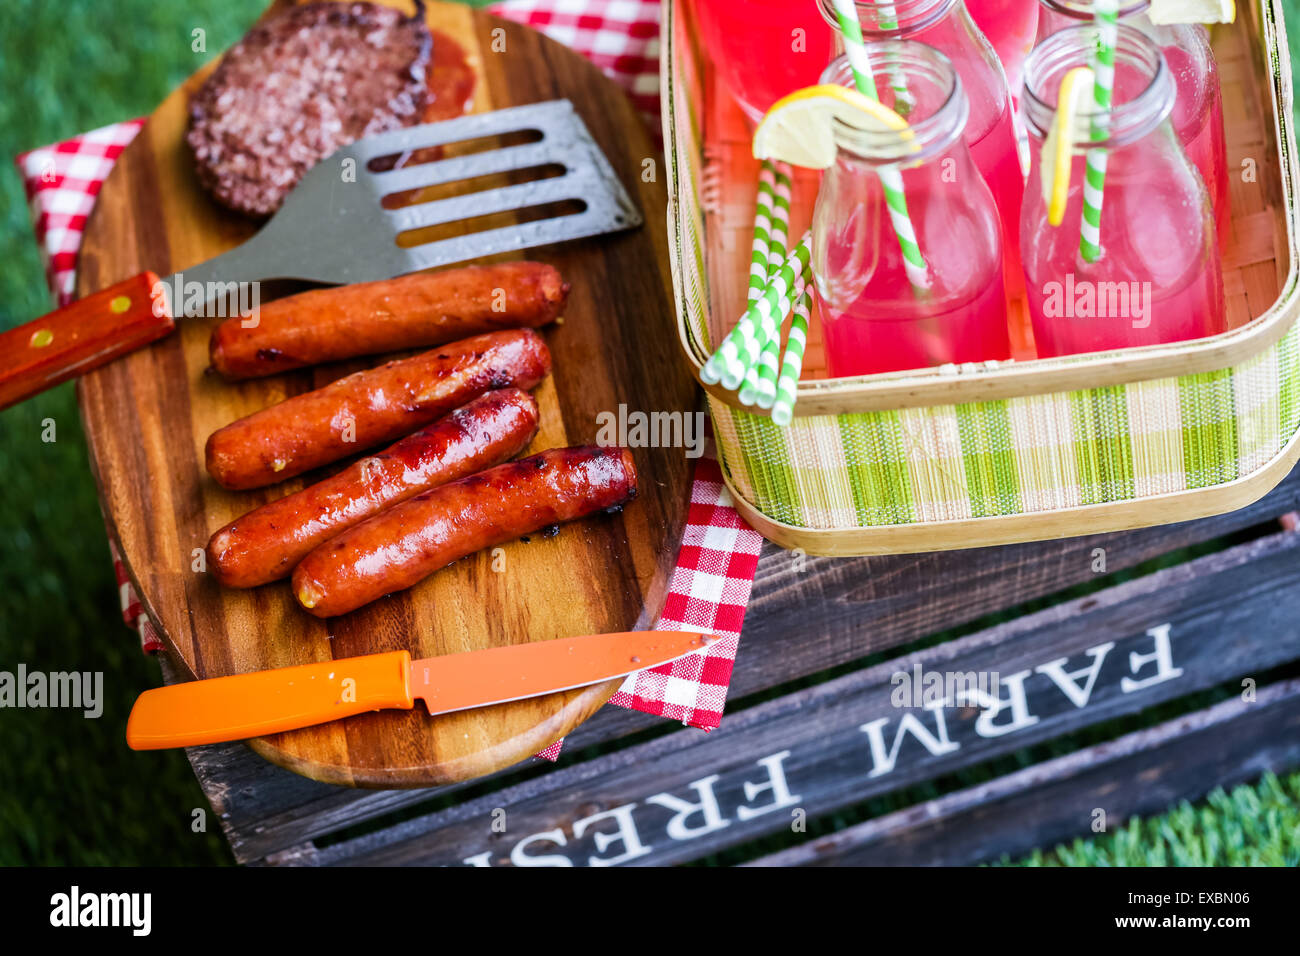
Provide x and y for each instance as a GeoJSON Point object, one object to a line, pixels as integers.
{"type": "Point", "coordinates": [267, 702]}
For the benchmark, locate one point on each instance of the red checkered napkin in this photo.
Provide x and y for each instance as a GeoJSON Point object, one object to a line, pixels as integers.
{"type": "Point", "coordinates": [710, 586]}
{"type": "Point", "coordinates": [62, 182]}
{"type": "Point", "coordinates": [619, 36]}
{"type": "Point", "coordinates": [708, 592]}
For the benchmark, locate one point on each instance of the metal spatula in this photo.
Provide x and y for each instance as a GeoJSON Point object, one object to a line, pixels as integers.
{"type": "Point", "coordinates": [334, 228]}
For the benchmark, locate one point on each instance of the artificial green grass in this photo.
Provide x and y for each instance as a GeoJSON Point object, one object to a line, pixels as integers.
{"type": "Point", "coordinates": [70, 790]}
{"type": "Point", "coordinates": [1250, 826]}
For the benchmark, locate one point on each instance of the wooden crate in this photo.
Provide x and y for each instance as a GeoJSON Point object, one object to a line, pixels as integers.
{"type": "Point", "coordinates": [811, 731]}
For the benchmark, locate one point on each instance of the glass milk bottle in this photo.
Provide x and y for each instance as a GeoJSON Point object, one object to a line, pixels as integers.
{"type": "Point", "coordinates": [1010, 25]}
{"type": "Point", "coordinates": [875, 316]}
{"type": "Point", "coordinates": [990, 131]}
{"type": "Point", "coordinates": [1198, 104]}
{"type": "Point", "coordinates": [1157, 278]}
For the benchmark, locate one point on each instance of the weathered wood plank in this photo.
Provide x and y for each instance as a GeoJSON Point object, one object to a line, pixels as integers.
{"type": "Point", "coordinates": [866, 605]}
{"type": "Point", "coordinates": [799, 622]}
{"type": "Point", "coordinates": [808, 753]}
{"type": "Point", "coordinates": [1139, 774]}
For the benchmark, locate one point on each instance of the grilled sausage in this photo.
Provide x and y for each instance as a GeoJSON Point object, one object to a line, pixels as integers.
{"type": "Point", "coordinates": [371, 408]}
{"type": "Point", "coordinates": [265, 544]}
{"type": "Point", "coordinates": [410, 312]}
{"type": "Point", "coordinates": [405, 544]}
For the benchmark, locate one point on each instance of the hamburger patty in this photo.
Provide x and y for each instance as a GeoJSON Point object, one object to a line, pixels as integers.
{"type": "Point", "coordinates": [300, 86]}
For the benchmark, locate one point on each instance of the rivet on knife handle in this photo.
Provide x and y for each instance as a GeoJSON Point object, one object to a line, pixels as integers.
{"type": "Point", "coordinates": [82, 336]}
{"type": "Point", "coordinates": [267, 702]}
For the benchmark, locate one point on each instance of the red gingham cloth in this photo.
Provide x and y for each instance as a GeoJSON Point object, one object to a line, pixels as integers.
{"type": "Point", "coordinates": [62, 182]}
{"type": "Point", "coordinates": [710, 586]}
{"type": "Point", "coordinates": [619, 36]}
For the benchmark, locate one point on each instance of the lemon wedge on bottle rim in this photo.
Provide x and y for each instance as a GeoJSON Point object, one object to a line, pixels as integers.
{"type": "Point", "coordinates": [1058, 147]}
{"type": "Point", "coordinates": [799, 129]}
{"type": "Point", "coordinates": [1164, 12]}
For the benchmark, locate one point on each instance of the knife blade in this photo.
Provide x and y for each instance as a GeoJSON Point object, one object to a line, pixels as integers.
{"type": "Point", "coordinates": [266, 702]}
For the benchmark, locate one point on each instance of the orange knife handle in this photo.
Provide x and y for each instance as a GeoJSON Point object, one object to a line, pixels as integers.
{"type": "Point", "coordinates": [82, 336]}
{"type": "Point", "coordinates": [267, 702]}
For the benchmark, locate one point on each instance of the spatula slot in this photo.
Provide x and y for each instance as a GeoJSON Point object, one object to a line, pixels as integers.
{"type": "Point", "coordinates": [464, 147]}
{"type": "Point", "coordinates": [499, 220]}
{"type": "Point", "coordinates": [474, 184]}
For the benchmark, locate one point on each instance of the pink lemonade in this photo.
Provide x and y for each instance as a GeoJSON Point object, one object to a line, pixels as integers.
{"type": "Point", "coordinates": [1198, 124]}
{"type": "Point", "coordinates": [1198, 107]}
{"type": "Point", "coordinates": [863, 337]}
{"type": "Point", "coordinates": [990, 131]}
{"type": "Point", "coordinates": [998, 160]}
{"type": "Point", "coordinates": [763, 49]}
{"type": "Point", "coordinates": [873, 318]}
{"type": "Point", "coordinates": [1010, 25]}
{"type": "Point", "coordinates": [1150, 286]}
{"type": "Point", "coordinates": [1158, 279]}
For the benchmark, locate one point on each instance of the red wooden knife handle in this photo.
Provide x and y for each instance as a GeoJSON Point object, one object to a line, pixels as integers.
{"type": "Point", "coordinates": [84, 335]}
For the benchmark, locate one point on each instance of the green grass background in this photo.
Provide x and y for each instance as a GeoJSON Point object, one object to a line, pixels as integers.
{"type": "Point", "coordinates": [70, 790]}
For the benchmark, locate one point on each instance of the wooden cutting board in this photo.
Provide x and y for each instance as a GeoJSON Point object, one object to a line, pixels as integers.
{"type": "Point", "coordinates": [147, 417]}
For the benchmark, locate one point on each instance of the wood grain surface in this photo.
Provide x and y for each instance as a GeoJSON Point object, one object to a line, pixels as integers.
{"type": "Point", "coordinates": [148, 416]}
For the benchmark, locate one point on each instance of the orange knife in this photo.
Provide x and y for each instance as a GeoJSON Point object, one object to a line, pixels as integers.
{"type": "Point", "coordinates": [267, 702]}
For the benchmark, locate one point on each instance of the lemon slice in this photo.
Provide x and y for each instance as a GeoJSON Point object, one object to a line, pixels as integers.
{"type": "Point", "coordinates": [1058, 147]}
{"type": "Point", "coordinates": [1162, 12]}
{"type": "Point", "coordinates": [799, 129]}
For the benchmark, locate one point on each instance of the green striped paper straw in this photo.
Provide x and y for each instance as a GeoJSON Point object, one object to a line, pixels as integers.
{"type": "Point", "coordinates": [758, 267]}
{"type": "Point", "coordinates": [761, 390]}
{"type": "Point", "coordinates": [752, 392]}
{"type": "Point", "coordinates": [744, 343]}
{"type": "Point", "coordinates": [891, 180]}
{"type": "Point", "coordinates": [755, 378]}
{"type": "Point", "coordinates": [1094, 175]}
{"type": "Point", "coordinates": [897, 80]}
{"type": "Point", "coordinates": [791, 368]}
{"type": "Point", "coordinates": [768, 372]}
{"type": "Point", "coordinates": [764, 202]}
{"type": "Point", "coordinates": [766, 369]}
{"type": "Point", "coordinates": [780, 234]}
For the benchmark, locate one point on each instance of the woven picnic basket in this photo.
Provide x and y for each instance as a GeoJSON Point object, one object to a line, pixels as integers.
{"type": "Point", "coordinates": [1012, 451]}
